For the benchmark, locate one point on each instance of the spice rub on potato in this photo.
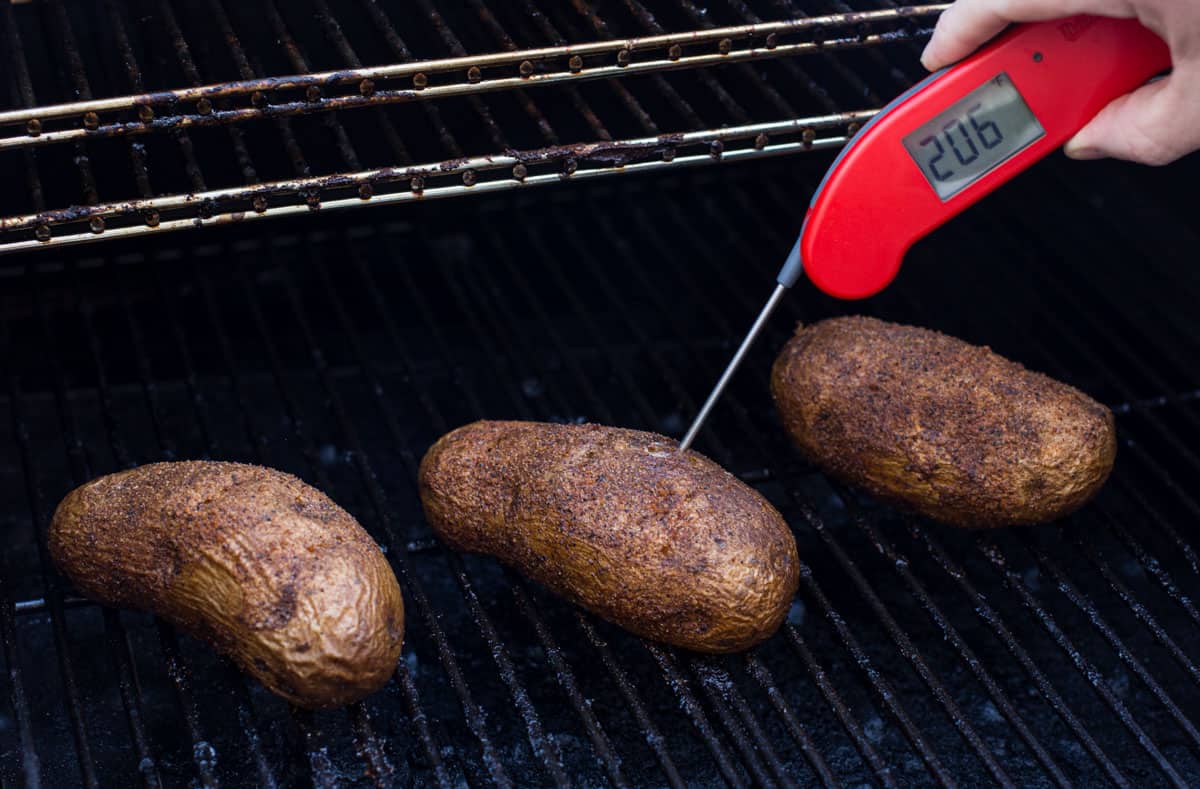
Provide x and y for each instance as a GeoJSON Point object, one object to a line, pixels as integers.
{"type": "Point", "coordinates": [951, 430]}
{"type": "Point", "coordinates": [669, 546]}
{"type": "Point", "coordinates": [265, 568]}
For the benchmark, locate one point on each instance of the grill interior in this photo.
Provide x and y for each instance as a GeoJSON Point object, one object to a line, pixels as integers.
{"type": "Point", "coordinates": [339, 351]}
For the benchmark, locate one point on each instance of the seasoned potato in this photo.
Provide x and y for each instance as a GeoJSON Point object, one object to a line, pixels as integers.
{"type": "Point", "coordinates": [668, 546]}
{"type": "Point", "coordinates": [948, 429]}
{"type": "Point", "coordinates": [264, 568]}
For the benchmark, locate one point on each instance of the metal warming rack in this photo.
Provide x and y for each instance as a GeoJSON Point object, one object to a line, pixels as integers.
{"type": "Point", "coordinates": [570, 46]}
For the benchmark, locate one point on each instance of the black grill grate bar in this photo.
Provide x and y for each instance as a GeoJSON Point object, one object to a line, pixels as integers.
{"type": "Point", "coordinates": [909, 651]}
{"type": "Point", "coordinates": [1072, 593]}
{"type": "Point", "coordinates": [413, 591]}
{"type": "Point", "coordinates": [1003, 703]}
{"type": "Point", "coordinates": [544, 746]}
{"type": "Point", "coordinates": [506, 42]}
{"type": "Point", "coordinates": [398, 46]}
{"type": "Point", "coordinates": [1139, 610]}
{"type": "Point", "coordinates": [547, 28]}
{"type": "Point", "coordinates": [566, 678]}
{"type": "Point", "coordinates": [54, 594]}
{"type": "Point", "coordinates": [367, 745]}
{"type": "Point", "coordinates": [1151, 565]}
{"type": "Point", "coordinates": [1095, 360]}
{"type": "Point", "coordinates": [203, 754]}
{"type": "Point", "coordinates": [296, 57]}
{"type": "Point", "coordinates": [648, 230]}
{"type": "Point", "coordinates": [81, 472]}
{"type": "Point", "coordinates": [996, 622]}
{"type": "Point", "coordinates": [718, 685]}
{"type": "Point", "coordinates": [664, 88]}
{"type": "Point", "coordinates": [1085, 666]}
{"type": "Point", "coordinates": [174, 100]}
{"type": "Point", "coordinates": [723, 96]}
{"type": "Point", "coordinates": [861, 88]}
{"type": "Point", "coordinates": [984, 611]}
{"type": "Point", "coordinates": [762, 674]}
{"type": "Point", "coordinates": [335, 36]}
{"type": "Point", "coordinates": [31, 767]}
{"type": "Point", "coordinates": [1147, 562]}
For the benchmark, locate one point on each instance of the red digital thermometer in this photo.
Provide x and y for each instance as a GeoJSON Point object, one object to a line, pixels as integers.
{"type": "Point", "coordinates": [947, 142]}
{"type": "Point", "coordinates": [957, 136]}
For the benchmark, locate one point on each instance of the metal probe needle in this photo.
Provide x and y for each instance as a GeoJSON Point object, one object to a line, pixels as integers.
{"type": "Point", "coordinates": [734, 363]}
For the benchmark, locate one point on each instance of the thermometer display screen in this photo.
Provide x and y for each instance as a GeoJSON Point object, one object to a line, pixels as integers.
{"type": "Point", "coordinates": [971, 136]}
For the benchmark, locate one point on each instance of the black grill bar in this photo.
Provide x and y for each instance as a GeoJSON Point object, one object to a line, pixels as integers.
{"type": "Point", "coordinates": [906, 647]}
{"type": "Point", "coordinates": [956, 572]}
{"type": "Point", "coordinates": [1072, 592]}
{"type": "Point", "coordinates": [54, 596]}
{"type": "Point", "coordinates": [1003, 703]}
{"type": "Point", "coordinates": [81, 472]}
{"type": "Point", "coordinates": [31, 769]}
{"type": "Point", "coordinates": [1046, 619]}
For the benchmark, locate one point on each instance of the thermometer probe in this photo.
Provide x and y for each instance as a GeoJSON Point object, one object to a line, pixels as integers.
{"type": "Point", "coordinates": [948, 141]}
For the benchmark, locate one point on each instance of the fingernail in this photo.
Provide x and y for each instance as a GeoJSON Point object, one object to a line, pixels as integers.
{"type": "Point", "coordinates": [1082, 152]}
{"type": "Point", "coordinates": [925, 58]}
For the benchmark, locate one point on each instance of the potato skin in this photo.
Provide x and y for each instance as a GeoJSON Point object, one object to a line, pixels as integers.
{"type": "Point", "coordinates": [265, 568]}
{"type": "Point", "coordinates": [951, 430]}
{"type": "Point", "coordinates": [671, 547]}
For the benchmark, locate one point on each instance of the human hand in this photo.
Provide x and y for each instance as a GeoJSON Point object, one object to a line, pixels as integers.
{"type": "Point", "coordinates": [1156, 124]}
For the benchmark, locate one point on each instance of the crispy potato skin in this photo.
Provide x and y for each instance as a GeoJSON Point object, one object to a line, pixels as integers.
{"type": "Point", "coordinates": [671, 547]}
{"type": "Point", "coordinates": [263, 567]}
{"type": "Point", "coordinates": [946, 428]}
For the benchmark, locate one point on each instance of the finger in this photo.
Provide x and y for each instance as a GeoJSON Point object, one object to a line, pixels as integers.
{"type": "Point", "coordinates": [1155, 124]}
{"type": "Point", "coordinates": [968, 24]}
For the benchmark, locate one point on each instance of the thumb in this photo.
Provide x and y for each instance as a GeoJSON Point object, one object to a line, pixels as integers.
{"type": "Point", "coordinates": [1156, 124]}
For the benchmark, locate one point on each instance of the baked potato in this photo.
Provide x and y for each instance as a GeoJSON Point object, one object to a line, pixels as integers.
{"type": "Point", "coordinates": [669, 546]}
{"type": "Point", "coordinates": [263, 567]}
{"type": "Point", "coordinates": [951, 430]}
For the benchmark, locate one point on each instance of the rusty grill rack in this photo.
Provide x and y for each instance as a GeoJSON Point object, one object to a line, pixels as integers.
{"type": "Point", "coordinates": [543, 60]}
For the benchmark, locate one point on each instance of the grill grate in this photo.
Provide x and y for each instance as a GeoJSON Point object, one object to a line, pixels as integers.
{"type": "Point", "coordinates": [914, 653]}
{"type": "Point", "coordinates": [118, 99]}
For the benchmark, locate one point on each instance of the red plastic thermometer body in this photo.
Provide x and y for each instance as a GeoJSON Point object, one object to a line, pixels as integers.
{"type": "Point", "coordinates": [959, 135]}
